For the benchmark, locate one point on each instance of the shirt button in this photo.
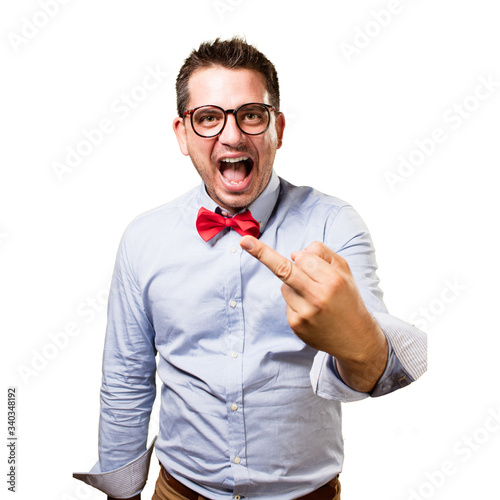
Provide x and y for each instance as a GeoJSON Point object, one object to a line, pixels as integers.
{"type": "Point", "coordinates": [237, 460]}
{"type": "Point", "coordinates": [234, 355]}
{"type": "Point", "coordinates": [233, 303]}
{"type": "Point", "coordinates": [234, 249]}
{"type": "Point", "coordinates": [234, 407]}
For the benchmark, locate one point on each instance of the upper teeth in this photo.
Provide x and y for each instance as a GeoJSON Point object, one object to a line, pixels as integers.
{"type": "Point", "coordinates": [234, 160]}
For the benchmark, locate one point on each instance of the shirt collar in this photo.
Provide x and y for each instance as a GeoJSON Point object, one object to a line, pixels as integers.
{"type": "Point", "coordinates": [260, 209]}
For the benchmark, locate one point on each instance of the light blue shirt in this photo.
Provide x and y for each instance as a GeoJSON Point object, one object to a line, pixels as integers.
{"type": "Point", "coordinates": [246, 407]}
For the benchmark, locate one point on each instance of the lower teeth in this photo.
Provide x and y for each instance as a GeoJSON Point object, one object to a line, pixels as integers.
{"type": "Point", "coordinates": [238, 182]}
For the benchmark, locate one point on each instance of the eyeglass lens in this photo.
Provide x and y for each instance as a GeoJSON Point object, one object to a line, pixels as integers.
{"type": "Point", "coordinates": [251, 118]}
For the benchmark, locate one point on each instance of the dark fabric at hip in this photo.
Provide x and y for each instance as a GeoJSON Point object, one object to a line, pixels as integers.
{"type": "Point", "coordinates": [168, 488]}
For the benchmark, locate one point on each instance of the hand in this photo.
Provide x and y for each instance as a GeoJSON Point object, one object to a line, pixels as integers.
{"type": "Point", "coordinates": [325, 309]}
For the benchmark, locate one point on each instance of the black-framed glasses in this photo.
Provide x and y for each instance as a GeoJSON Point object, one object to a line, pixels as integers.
{"type": "Point", "coordinates": [209, 120]}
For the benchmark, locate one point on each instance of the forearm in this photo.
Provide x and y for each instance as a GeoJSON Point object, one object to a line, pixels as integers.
{"type": "Point", "coordinates": [126, 403]}
{"type": "Point", "coordinates": [129, 366]}
{"type": "Point", "coordinates": [362, 370]}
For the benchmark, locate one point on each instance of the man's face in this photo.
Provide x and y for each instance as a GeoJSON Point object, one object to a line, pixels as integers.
{"type": "Point", "coordinates": [235, 167]}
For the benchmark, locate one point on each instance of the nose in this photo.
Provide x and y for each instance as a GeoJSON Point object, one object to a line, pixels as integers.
{"type": "Point", "coordinates": [231, 135]}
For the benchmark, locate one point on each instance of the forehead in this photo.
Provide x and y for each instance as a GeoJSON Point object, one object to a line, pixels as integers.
{"type": "Point", "coordinates": [228, 88]}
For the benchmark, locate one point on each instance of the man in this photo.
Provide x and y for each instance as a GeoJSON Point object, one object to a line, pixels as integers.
{"type": "Point", "coordinates": [256, 352]}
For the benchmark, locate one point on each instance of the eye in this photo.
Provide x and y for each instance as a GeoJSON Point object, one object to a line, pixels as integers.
{"type": "Point", "coordinates": [208, 118]}
{"type": "Point", "coordinates": [252, 116]}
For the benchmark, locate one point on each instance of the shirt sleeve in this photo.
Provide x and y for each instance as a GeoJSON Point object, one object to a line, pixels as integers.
{"type": "Point", "coordinates": [128, 387]}
{"type": "Point", "coordinates": [124, 482]}
{"type": "Point", "coordinates": [347, 235]}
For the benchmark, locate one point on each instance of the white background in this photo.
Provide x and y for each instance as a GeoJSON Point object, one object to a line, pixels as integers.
{"type": "Point", "coordinates": [350, 117]}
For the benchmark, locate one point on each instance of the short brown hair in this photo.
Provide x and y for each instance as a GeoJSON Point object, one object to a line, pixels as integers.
{"type": "Point", "coordinates": [232, 54]}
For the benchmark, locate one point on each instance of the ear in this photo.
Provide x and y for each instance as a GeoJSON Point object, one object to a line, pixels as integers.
{"type": "Point", "coordinates": [180, 133]}
{"type": "Point", "coordinates": [280, 128]}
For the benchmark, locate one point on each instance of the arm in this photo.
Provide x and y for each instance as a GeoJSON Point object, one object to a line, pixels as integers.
{"type": "Point", "coordinates": [128, 388]}
{"type": "Point", "coordinates": [334, 304]}
{"type": "Point", "coordinates": [325, 309]}
{"type": "Point", "coordinates": [347, 234]}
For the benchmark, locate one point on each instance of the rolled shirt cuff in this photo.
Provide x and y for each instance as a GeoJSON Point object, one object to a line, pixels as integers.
{"type": "Point", "coordinates": [124, 482]}
{"type": "Point", "coordinates": [326, 381]}
{"type": "Point", "coordinates": [407, 361]}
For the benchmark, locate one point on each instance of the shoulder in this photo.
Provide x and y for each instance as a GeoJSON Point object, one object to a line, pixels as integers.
{"type": "Point", "coordinates": [338, 221]}
{"type": "Point", "coordinates": [305, 199]}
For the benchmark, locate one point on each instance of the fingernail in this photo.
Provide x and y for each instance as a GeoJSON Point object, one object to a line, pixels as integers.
{"type": "Point", "coordinates": [247, 243]}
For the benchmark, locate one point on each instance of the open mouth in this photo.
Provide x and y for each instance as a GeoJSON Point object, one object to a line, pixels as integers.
{"type": "Point", "coordinates": [236, 171]}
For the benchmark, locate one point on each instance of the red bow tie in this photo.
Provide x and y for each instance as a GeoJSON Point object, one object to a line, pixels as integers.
{"type": "Point", "coordinates": [209, 224]}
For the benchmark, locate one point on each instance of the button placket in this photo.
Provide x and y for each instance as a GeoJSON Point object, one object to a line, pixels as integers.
{"type": "Point", "coordinates": [236, 334]}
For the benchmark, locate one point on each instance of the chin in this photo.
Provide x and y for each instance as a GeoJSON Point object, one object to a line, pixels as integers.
{"type": "Point", "coordinates": [234, 203]}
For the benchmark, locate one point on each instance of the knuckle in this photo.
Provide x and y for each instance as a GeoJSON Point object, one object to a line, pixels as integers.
{"type": "Point", "coordinates": [341, 262]}
{"type": "Point", "coordinates": [316, 246]}
{"type": "Point", "coordinates": [318, 303]}
{"type": "Point", "coordinates": [337, 283]}
{"type": "Point", "coordinates": [284, 270]}
{"type": "Point", "coordinates": [294, 322]}
{"type": "Point", "coordinates": [309, 263]}
{"type": "Point", "coordinates": [308, 313]}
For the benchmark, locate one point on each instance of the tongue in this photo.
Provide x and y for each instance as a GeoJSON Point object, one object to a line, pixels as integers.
{"type": "Point", "coordinates": [234, 172]}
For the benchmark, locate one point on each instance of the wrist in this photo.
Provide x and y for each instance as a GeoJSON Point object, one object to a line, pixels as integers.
{"type": "Point", "coordinates": [361, 371]}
